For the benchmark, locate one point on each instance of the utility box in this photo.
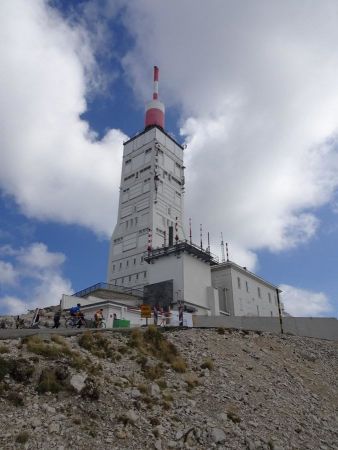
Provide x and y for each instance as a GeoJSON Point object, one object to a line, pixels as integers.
{"type": "Point", "coordinates": [121, 323]}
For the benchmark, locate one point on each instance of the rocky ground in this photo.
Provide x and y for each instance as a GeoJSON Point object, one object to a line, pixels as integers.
{"type": "Point", "coordinates": [197, 389]}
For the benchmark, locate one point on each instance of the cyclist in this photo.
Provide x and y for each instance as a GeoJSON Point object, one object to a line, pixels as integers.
{"type": "Point", "coordinates": [75, 312]}
{"type": "Point", "coordinates": [98, 316]}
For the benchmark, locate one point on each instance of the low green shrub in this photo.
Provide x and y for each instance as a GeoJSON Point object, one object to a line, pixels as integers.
{"type": "Point", "coordinates": [22, 437]}
{"type": "Point", "coordinates": [48, 382]}
{"type": "Point", "coordinates": [208, 364]}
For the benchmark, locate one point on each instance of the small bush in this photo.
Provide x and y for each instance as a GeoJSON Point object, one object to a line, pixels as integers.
{"type": "Point", "coordinates": [21, 370]}
{"type": "Point", "coordinates": [90, 391]}
{"type": "Point", "coordinates": [233, 416]}
{"type": "Point", "coordinates": [208, 364]}
{"type": "Point", "coordinates": [191, 380]}
{"type": "Point", "coordinates": [143, 388]}
{"type": "Point", "coordinates": [96, 343]}
{"type": "Point", "coordinates": [154, 421]}
{"type": "Point", "coordinates": [153, 372]}
{"type": "Point", "coordinates": [136, 339]}
{"type": "Point", "coordinates": [22, 437]}
{"type": "Point", "coordinates": [179, 365]}
{"type": "Point", "coordinates": [58, 339]}
{"type": "Point", "coordinates": [3, 349]}
{"type": "Point", "coordinates": [166, 405]}
{"type": "Point", "coordinates": [48, 382]}
{"type": "Point", "coordinates": [168, 397]}
{"type": "Point", "coordinates": [142, 360]}
{"type": "Point", "coordinates": [123, 350]}
{"type": "Point", "coordinates": [5, 367]}
{"type": "Point", "coordinates": [221, 330]}
{"type": "Point", "coordinates": [3, 388]}
{"type": "Point", "coordinates": [36, 345]}
{"type": "Point", "coordinates": [162, 383]}
{"type": "Point", "coordinates": [15, 398]}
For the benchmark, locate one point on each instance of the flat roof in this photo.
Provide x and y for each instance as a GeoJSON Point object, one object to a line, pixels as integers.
{"type": "Point", "coordinates": [150, 128]}
{"type": "Point", "coordinates": [231, 264]}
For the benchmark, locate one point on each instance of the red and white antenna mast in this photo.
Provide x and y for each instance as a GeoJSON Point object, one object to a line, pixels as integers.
{"type": "Point", "coordinates": [155, 109]}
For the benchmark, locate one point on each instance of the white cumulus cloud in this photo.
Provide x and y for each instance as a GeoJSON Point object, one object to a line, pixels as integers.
{"type": "Point", "coordinates": [7, 273]}
{"type": "Point", "coordinates": [51, 162]}
{"type": "Point", "coordinates": [38, 276]}
{"type": "Point", "coordinates": [257, 87]}
{"type": "Point", "coordinates": [301, 302]}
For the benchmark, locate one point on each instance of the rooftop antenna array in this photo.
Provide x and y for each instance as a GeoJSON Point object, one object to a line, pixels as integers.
{"type": "Point", "coordinates": [201, 236]}
{"type": "Point", "coordinates": [222, 248]}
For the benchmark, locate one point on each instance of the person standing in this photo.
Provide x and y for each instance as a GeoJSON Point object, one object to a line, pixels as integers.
{"type": "Point", "coordinates": [57, 316]}
{"type": "Point", "coordinates": [155, 310]}
{"type": "Point", "coordinates": [180, 316]}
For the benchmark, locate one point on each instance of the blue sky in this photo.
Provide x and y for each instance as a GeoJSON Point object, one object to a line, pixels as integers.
{"type": "Point", "coordinates": [253, 92]}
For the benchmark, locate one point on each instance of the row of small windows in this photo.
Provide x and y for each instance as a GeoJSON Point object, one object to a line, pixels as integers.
{"type": "Point", "coordinates": [130, 278]}
{"type": "Point", "coordinates": [127, 263]}
{"type": "Point", "coordinates": [259, 293]}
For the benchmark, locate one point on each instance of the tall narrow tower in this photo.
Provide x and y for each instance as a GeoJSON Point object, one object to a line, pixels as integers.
{"type": "Point", "coordinates": [151, 197]}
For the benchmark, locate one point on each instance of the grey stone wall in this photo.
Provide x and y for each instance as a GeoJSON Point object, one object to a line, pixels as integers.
{"type": "Point", "coordinates": [316, 327]}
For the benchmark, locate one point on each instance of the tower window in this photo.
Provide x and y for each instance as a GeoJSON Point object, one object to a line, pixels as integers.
{"type": "Point", "coordinates": [120, 265]}
{"type": "Point", "coordinates": [134, 261]}
{"type": "Point", "coordinates": [238, 282]}
{"type": "Point", "coordinates": [247, 286]}
{"type": "Point", "coordinates": [127, 263]}
{"type": "Point", "coordinates": [113, 267]}
{"type": "Point", "coordinates": [259, 292]}
{"type": "Point", "coordinates": [269, 296]}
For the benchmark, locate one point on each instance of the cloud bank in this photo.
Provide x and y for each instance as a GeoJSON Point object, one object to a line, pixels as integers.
{"type": "Point", "coordinates": [31, 277]}
{"type": "Point", "coordinates": [303, 303]}
{"type": "Point", "coordinates": [51, 162]}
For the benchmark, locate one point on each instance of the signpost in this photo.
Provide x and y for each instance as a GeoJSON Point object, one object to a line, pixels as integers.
{"type": "Point", "coordinates": [146, 312]}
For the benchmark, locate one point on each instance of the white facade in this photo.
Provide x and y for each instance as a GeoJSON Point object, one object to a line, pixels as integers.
{"type": "Point", "coordinates": [151, 198]}
{"type": "Point", "coordinates": [242, 293]}
{"type": "Point", "coordinates": [191, 280]}
{"type": "Point", "coordinates": [132, 313]}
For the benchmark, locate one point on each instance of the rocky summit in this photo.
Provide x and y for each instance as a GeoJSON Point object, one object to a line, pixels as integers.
{"type": "Point", "coordinates": [151, 389]}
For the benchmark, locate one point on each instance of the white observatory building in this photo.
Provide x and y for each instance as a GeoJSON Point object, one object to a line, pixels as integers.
{"type": "Point", "coordinates": [149, 251]}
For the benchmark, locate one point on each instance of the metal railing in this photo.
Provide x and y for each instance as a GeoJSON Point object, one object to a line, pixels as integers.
{"type": "Point", "coordinates": [182, 246]}
{"type": "Point", "coordinates": [109, 287]}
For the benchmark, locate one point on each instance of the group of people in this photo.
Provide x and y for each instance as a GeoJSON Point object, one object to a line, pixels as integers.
{"type": "Point", "coordinates": [77, 315]}
{"type": "Point", "coordinates": [164, 315]}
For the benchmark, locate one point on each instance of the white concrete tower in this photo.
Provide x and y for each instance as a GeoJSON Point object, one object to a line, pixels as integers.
{"type": "Point", "coordinates": [151, 198]}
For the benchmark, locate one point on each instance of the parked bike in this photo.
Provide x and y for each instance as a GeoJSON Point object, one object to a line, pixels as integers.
{"type": "Point", "coordinates": [76, 322]}
{"type": "Point", "coordinates": [100, 324]}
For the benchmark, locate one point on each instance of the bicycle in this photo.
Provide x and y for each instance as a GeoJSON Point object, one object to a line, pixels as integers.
{"type": "Point", "coordinates": [101, 323]}
{"type": "Point", "coordinates": [76, 322]}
